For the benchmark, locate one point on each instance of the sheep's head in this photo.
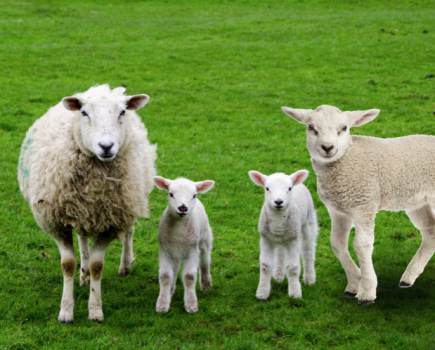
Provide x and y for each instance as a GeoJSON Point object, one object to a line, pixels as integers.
{"type": "Point", "coordinates": [278, 187]}
{"type": "Point", "coordinates": [102, 119]}
{"type": "Point", "coordinates": [182, 193]}
{"type": "Point", "coordinates": [328, 129]}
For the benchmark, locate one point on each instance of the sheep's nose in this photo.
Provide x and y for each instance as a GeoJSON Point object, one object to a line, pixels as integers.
{"type": "Point", "coordinates": [182, 208]}
{"type": "Point", "coordinates": [326, 148]}
{"type": "Point", "coordinates": [106, 147]}
{"type": "Point", "coordinates": [279, 201]}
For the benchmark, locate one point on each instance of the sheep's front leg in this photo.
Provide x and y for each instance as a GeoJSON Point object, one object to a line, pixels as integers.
{"type": "Point", "coordinates": [266, 269]}
{"type": "Point", "coordinates": [85, 273]}
{"type": "Point", "coordinates": [168, 269]}
{"type": "Point", "coordinates": [190, 273]}
{"type": "Point", "coordinates": [68, 261]}
{"type": "Point", "coordinates": [363, 245]}
{"type": "Point", "coordinates": [340, 230]}
{"type": "Point", "coordinates": [309, 236]}
{"type": "Point", "coordinates": [127, 258]}
{"type": "Point", "coordinates": [293, 268]}
{"type": "Point", "coordinates": [98, 251]}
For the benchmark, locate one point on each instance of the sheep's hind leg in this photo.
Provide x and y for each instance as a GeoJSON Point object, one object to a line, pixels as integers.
{"type": "Point", "coordinates": [204, 266]}
{"type": "Point", "coordinates": [309, 235]}
{"type": "Point", "coordinates": [266, 268]}
{"type": "Point", "coordinates": [85, 273]}
{"type": "Point", "coordinates": [127, 258]}
{"type": "Point", "coordinates": [293, 268]}
{"type": "Point", "coordinates": [98, 251]}
{"type": "Point", "coordinates": [278, 274]}
{"type": "Point", "coordinates": [68, 261]}
{"type": "Point", "coordinates": [340, 230]}
{"type": "Point", "coordinates": [424, 219]}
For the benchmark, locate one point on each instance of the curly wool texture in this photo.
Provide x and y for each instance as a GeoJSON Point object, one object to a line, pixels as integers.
{"type": "Point", "coordinates": [66, 187]}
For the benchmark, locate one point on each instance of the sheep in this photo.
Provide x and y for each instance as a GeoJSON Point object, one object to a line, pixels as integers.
{"type": "Point", "coordinates": [184, 236]}
{"type": "Point", "coordinates": [288, 227]}
{"type": "Point", "coordinates": [357, 176]}
{"type": "Point", "coordinates": [87, 165]}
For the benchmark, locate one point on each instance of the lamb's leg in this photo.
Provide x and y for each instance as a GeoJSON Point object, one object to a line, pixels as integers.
{"type": "Point", "coordinates": [363, 245]}
{"type": "Point", "coordinates": [68, 261]}
{"type": "Point", "coordinates": [309, 236]}
{"type": "Point", "coordinates": [167, 277]}
{"type": "Point", "coordinates": [266, 268]}
{"type": "Point", "coordinates": [85, 273]}
{"type": "Point", "coordinates": [175, 268]}
{"type": "Point", "coordinates": [278, 273]}
{"type": "Point", "coordinates": [98, 251]}
{"type": "Point", "coordinates": [190, 273]}
{"type": "Point", "coordinates": [424, 220]}
{"type": "Point", "coordinates": [340, 230]}
{"type": "Point", "coordinates": [293, 268]}
{"type": "Point", "coordinates": [204, 266]}
{"type": "Point", "coordinates": [127, 258]}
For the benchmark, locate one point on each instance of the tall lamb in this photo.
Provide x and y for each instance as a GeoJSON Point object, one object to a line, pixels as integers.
{"type": "Point", "coordinates": [288, 229]}
{"type": "Point", "coordinates": [357, 176]}
{"type": "Point", "coordinates": [87, 165]}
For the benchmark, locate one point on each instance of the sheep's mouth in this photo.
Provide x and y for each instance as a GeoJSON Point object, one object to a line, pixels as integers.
{"type": "Point", "coordinates": [182, 214]}
{"type": "Point", "coordinates": [107, 157]}
{"type": "Point", "coordinates": [279, 207]}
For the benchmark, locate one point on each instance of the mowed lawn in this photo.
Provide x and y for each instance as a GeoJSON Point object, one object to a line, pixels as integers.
{"type": "Point", "coordinates": [217, 73]}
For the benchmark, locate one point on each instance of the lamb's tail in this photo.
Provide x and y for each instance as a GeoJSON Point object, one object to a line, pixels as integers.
{"type": "Point", "coordinates": [278, 273]}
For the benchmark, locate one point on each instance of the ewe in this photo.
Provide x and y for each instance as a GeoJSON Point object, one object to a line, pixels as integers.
{"type": "Point", "coordinates": [357, 176]}
{"type": "Point", "coordinates": [288, 226]}
{"type": "Point", "coordinates": [87, 165]}
{"type": "Point", "coordinates": [184, 235]}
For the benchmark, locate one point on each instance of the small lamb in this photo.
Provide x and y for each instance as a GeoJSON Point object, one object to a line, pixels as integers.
{"type": "Point", "coordinates": [184, 235]}
{"type": "Point", "coordinates": [288, 226]}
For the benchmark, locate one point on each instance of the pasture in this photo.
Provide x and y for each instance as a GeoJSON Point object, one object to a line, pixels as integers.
{"type": "Point", "coordinates": [217, 73]}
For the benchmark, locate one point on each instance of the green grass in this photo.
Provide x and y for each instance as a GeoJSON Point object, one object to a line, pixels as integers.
{"type": "Point", "coordinates": [217, 73]}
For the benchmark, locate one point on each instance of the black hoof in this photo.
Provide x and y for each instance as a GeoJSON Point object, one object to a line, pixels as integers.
{"type": "Point", "coordinates": [365, 302]}
{"type": "Point", "coordinates": [349, 295]}
{"type": "Point", "coordinates": [404, 285]}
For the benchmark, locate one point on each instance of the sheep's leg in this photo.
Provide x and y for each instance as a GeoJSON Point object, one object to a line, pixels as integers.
{"type": "Point", "coordinates": [309, 236]}
{"type": "Point", "coordinates": [266, 268]}
{"type": "Point", "coordinates": [363, 245]}
{"type": "Point", "coordinates": [190, 273]}
{"type": "Point", "coordinates": [127, 258]}
{"type": "Point", "coordinates": [85, 273]}
{"type": "Point", "coordinates": [293, 268]}
{"type": "Point", "coordinates": [204, 266]}
{"type": "Point", "coordinates": [340, 230]}
{"type": "Point", "coordinates": [175, 268]}
{"type": "Point", "coordinates": [278, 273]}
{"type": "Point", "coordinates": [98, 251]}
{"type": "Point", "coordinates": [68, 261]}
{"type": "Point", "coordinates": [424, 220]}
{"type": "Point", "coordinates": [167, 277]}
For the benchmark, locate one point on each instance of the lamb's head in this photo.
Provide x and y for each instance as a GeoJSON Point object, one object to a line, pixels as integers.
{"type": "Point", "coordinates": [182, 193]}
{"type": "Point", "coordinates": [328, 129]}
{"type": "Point", "coordinates": [102, 114]}
{"type": "Point", "coordinates": [278, 187]}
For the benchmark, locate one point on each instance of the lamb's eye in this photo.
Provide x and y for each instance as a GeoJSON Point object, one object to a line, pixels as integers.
{"type": "Point", "coordinates": [194, 196]}
{"type": "Point", "coordinates": [122, 113]}
{"type": "Point", "coordinates": [289, 188]}
{"type": "Point", "coordinates": [84, 114]}
{"type": "Point", "coordinates": [344, 128]}
{"type": "Point", "coordinates": [267, 188]}
{"type": "Point", "coordinates": [171, 194]}
{"type": "Point", "coordinates": [310, 127]}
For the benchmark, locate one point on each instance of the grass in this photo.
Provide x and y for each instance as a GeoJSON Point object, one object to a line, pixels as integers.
{"type": "Point", "coordinates": [217, 73]}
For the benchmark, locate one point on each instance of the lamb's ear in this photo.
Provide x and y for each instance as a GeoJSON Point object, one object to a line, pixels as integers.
{"type": "Point", "coordinates": [137, 101]}
{"type": "Point", "coordinates": [300, 115]}
{"type": "Point", "coordinates": [72, 103]}
{"type": "Point", "coordinates": [299, 177]}
{"type": "Point", "coordinates": [162, 183]}
{"type": "Point", "coordinates": [204, 186]}
{"type": "Point", "coordinates": [258, 178]}
{"type": "Point", "coordinates": [358, 118]}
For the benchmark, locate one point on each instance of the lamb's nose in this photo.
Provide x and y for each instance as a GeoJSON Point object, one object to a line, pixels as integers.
{"type": "Point", "coordinates": [182, 208]}
{"type": "Point", "coordinates": [327, 149]}
{"type": "Point", "coordinates": [106, 147]}
{"type": "Point", "coordinates": [279, 202]}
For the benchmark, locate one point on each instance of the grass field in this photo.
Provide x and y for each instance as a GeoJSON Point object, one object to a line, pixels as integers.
{"type": "Point", "coordinates": [217, 73]}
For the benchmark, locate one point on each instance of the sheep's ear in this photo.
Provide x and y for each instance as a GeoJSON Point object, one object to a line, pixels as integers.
{"type": "Point", "coordinates": [300, 115]}
{"type": "Point", "coordinates": [137, 101]}
{"type": "Point", "coordinates": [299, 177]}
{"type": "Point", "coordinates": [258, 178]}
{"type": "Point", "coordinates": [204, 186]}
{"type": "Point", "coordinates": [162, 183]}
{"type": "Point", "coordinates": [72, 103]}
{"type": "Point", "coordinates": [358, 118]}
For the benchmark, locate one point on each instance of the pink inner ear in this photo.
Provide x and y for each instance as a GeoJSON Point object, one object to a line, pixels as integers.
{"type": "Point", "coordinates": [204, 186]}
{"type": "Point", "coordinates": [299, 177]}
{"type": "Point", "coordinates": [161, 183]}
{"type": "Point", "coordinates": [258, 179]}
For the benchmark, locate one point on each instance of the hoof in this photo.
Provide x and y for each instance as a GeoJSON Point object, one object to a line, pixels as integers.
{"type": "Point", "coordinates": [365, 302]}
{"type": "Point", "coordinates": [404, 285]}
{"type": "Point", "coordinates": [262, 299]}
{"type": "Point", "coordinates": [65, 321]}
{"type": "Point", "coordinates": [350, 295]}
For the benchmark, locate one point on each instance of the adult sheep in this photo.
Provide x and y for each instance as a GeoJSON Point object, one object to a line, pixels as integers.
{"type": "Point", "coordinates": [357, 176]}
{"type": "Point", "coordinates": [87, 165]}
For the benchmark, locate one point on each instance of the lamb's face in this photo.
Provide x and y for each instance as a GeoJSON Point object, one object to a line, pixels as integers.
{"type": "Point", "coordinates": [103, 121]}
{"type": "Point", "coordinates": [182, 193]}
{"type": "Point", "coordinates": [328, 128]}
{"type": "Point", "coordinates": [278, 187]}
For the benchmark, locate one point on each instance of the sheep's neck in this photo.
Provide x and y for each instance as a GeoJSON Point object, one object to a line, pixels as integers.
{"type": "Point", "coordinates": [277, 220]}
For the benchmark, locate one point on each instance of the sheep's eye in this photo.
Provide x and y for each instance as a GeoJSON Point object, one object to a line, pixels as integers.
{"type": "Point", "coordinates": [267, 188]}
{"type": "Point", "coordinates": [171, 194]}
{"type": "Point", "coordinates": [310, 127]}
{"type": "Point", "coordinates": [194, 196]}
{"type": "Point", "coordinates": [344, 128]}
{"type": "Point", "coordinates": [84, 114]}
{"type": "Point", "coordinates": [122, 113]}
{"type": "Point", "coordinates": [289, 188]}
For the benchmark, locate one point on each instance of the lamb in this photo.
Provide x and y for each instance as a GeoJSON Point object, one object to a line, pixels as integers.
{"type": "Point", "coordinates": [184, 235]}
{"type": "Point", "coordinates": [357, 176]}
{"type": "Point", "coordinates": [288, 227]}
{"type": "Point", "coordinates": [87, 165]}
